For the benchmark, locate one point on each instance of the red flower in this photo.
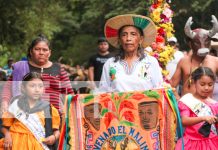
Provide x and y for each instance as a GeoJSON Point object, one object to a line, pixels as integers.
{"type": "Point", "coordinates": [116, 97]}
{"type": "Point", "coordinates": [106, 99]}
{"type": "Point", "coordinates": [110, 105]}
{"type": "Point", "coordinates": [108, 118]}
{"type": "Point", "coordinates": [128, 115]}
{"type": "Point", "coordinates": [104, 95]}
{"type": "Point", "coordinates": [138, 96]}
{"type": "Point", "coordinates": [154, 6]}
{"type": "Point", "coordinates": [126, 104]}
{"type": "Point", "coordinates": [159, 39]}
{"type": "Point", "coordinates": [161, 32]}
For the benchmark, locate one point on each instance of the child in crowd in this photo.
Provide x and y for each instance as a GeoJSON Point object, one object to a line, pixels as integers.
{"type": "Point", "coordinates": [30, 123]}
{"type": "Point", "coordinates": [198, 109]}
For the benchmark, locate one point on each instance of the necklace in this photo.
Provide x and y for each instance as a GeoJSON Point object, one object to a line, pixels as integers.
{"type": "Point", "coordinates": [41, 70]}
{"type": "Point", "coordinates": [191, 71]}
{"type": "Point", "coordinates": [46, 65]}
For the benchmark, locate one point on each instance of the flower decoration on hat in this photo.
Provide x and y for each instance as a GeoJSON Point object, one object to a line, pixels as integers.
{"type": "Point", "coordinates": [161, 14]}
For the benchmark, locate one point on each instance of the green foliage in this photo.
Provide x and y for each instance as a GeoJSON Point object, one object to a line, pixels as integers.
{"type": "Point", "coordinates": [152, 94]}
{"type": "Point", "coordinates": [87, 98]}
{"type": "Point", "coordinates": [127, 123]}
{"type": "Point", "coordinates": [200, 10]}
{"type": "Point", "coordinates": [73, 26]}
{"type": "Point", "coordinates": [22, 20]}
{"type": "Point", "coordinates": [81, 47]}
{"type": "Point", "coordinates": [104, 111]}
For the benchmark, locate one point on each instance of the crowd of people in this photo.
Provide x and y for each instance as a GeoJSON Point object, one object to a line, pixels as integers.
{"type": "Point", "coordinates": [32, 99]}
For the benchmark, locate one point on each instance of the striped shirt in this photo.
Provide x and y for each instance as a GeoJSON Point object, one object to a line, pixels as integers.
{"type": "Point", "coordinates": [56, 82]}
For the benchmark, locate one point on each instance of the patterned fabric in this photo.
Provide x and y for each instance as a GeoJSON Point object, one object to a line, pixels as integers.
{"type": "Point", "coordinates": [143, 120]}
{"type": "Point", "coordinates": [118, 77]}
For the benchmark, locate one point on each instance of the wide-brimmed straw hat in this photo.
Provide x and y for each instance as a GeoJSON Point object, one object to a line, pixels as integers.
{"type": "Point", "coordinates": [113, 25]}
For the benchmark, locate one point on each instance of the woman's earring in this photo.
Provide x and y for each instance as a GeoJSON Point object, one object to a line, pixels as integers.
{"type": "Point", "coordinates": [119, 44]}
{"type": "Point", "coordinates": [140, 45]}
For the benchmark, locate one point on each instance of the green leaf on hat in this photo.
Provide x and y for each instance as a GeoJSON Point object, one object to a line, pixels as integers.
{"type": "Point", "coordinates": [140, 22]}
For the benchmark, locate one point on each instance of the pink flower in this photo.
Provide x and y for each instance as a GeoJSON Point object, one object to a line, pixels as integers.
{"type": "Point", "coordinates": [156, 55]}
{"type": "Point", "coordinates": [168, 12]}
{"type": "Point", "coordinates": [164, 19]}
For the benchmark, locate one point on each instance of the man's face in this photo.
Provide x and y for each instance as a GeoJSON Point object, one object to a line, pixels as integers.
{"type": "Point", "coordinates": [92, 114]}
{"type": "Point", "coordinates": [103, 47]}
{"type": "Point", "coordinates": [148, 113]}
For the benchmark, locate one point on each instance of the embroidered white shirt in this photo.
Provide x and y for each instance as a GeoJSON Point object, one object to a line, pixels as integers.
{"type": "Point", "coordinates": [118, 77]}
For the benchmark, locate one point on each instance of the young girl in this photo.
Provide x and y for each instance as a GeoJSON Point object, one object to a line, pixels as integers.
{"type": "Point", "coordinates": [30, 123]}
{"type": "Point", "coordinates": [198, 108]}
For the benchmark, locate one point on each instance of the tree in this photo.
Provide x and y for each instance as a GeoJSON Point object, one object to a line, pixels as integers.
{"type": "Point", "coordinates": [200, 10]}
{"type": "Point", "coordinates": [89, 18]}
{"type": "Point", "coordinates": [22, 20]}
{"type": "Point", "coordinates": [71, 24]}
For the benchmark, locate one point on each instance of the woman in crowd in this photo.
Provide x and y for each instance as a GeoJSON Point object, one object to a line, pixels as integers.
{"type": "Point", "coordinates": [55, 77]}
{"type": "Point", "coordinates": [31, 122]}
{"type": "Point", "coordinates": [131, 69]}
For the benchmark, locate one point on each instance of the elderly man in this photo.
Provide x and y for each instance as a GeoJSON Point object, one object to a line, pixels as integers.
{"type": "Point", "coordinates": [199, 41]}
